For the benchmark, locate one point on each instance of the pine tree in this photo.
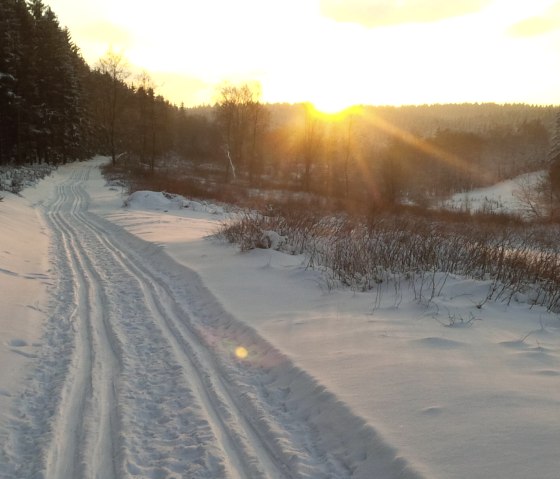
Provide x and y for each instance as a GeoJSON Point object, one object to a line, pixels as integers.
{"type": "Point", "coordinates": [42, 99]}
{"type": "Point", "coordinates": [15, 29]}
{"type": "Point", "coordinates": [58, 90]}
{"type": "Point", "coordinates": [9, 37]}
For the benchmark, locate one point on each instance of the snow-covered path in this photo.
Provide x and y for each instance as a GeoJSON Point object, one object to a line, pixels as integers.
{"type": "Point", "coordinates": [142, 373]}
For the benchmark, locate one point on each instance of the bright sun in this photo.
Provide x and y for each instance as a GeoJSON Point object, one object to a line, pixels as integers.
{"type": "Point", "coordinates": [333, 112]}
{"type": "Point", "coordinates": [330, 104]}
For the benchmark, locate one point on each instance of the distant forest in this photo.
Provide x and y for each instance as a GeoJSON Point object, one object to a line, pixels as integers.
{"type": "Point", "coordinates": [55, 108]}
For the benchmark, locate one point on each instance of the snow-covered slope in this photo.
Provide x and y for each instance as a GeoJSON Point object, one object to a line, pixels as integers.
{"type": "Point", "coordinates": [503, 197]}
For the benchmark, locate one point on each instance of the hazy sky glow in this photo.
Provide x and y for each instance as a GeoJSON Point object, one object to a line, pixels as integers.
{"type": "Point", "coordinates": [332, 52]}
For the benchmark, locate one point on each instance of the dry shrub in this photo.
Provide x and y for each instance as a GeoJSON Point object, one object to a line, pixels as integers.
{"type": "Point", "coordinates": [518, 260]}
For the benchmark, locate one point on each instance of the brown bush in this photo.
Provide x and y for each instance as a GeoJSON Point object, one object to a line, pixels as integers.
{"type": "Point", "coordinates": [401, 247]}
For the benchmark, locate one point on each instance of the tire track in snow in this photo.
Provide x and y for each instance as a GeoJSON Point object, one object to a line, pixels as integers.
{"type": "Point", "coordinates": [93, 267]}
{"type": "Point", "coordinates": [64, 456]}
{"type": "Point", "coordinates": [86, 435]}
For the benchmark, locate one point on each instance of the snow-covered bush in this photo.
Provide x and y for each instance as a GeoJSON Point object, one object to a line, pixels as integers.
{"type": "Point", "coordinates": [15, 178]}
{"type": "Point", "coordinates": [250, 231]}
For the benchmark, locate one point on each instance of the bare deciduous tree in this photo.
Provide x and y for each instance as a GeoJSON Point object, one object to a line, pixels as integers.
{"type": "Point", "coordinates": [533, 196]}
{"type": "Point", "coordinates": [242, 120]}
{"type": "Point", "coordinates": [115, 67]}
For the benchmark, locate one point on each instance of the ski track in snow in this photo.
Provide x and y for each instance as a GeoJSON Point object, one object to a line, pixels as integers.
{"type": "Point", "coordinates": [137, 377]}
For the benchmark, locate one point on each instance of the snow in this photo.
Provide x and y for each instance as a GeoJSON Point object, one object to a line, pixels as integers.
{"type": "Point", "coordinates": [503, 197]}
{"type": "Point", "coordinates": [24, 278]}
{"type": "Point", "coordinates": [393, 385]}
{"type": "Point", "coordinates": [160, 201]}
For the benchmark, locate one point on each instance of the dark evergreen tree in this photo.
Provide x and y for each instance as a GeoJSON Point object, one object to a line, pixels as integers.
{"type": "Point", "coordinates": [41, 95]}
{"type": "Point", "coordinates": [59, 94]}
{"type": "Point", "coordinates": [16, 86]}
{"type": "Point", "coordinates": [10, 43]}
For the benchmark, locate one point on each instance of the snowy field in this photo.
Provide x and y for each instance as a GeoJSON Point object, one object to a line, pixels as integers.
{"type": "Point", "coordinates": [217, 363]}
{"type": "Point", "coordinates": [503, 197]}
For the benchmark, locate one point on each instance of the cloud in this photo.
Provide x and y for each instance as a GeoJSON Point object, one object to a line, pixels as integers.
{"type": "Point", "coordinates": [376, 13]}
{"type": "Point", "coordinates": [537, 25]}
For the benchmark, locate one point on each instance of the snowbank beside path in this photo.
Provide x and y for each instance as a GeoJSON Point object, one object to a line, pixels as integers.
{"type": "Point", "coordinates": [458, 388]}
{"type": "Point", "coordinates": [24, 279]}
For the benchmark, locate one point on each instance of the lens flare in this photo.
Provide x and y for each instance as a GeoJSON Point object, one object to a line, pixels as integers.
{"type": "Point", "coordinates": [241, 352]}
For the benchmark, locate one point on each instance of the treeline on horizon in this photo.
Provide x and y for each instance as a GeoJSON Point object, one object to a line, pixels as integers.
{"type": "Point", "coordinates": [56, 108]}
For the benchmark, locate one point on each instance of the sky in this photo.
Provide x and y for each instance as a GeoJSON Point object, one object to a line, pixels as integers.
{"type": "Point", "coordinates": [334, 53]}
